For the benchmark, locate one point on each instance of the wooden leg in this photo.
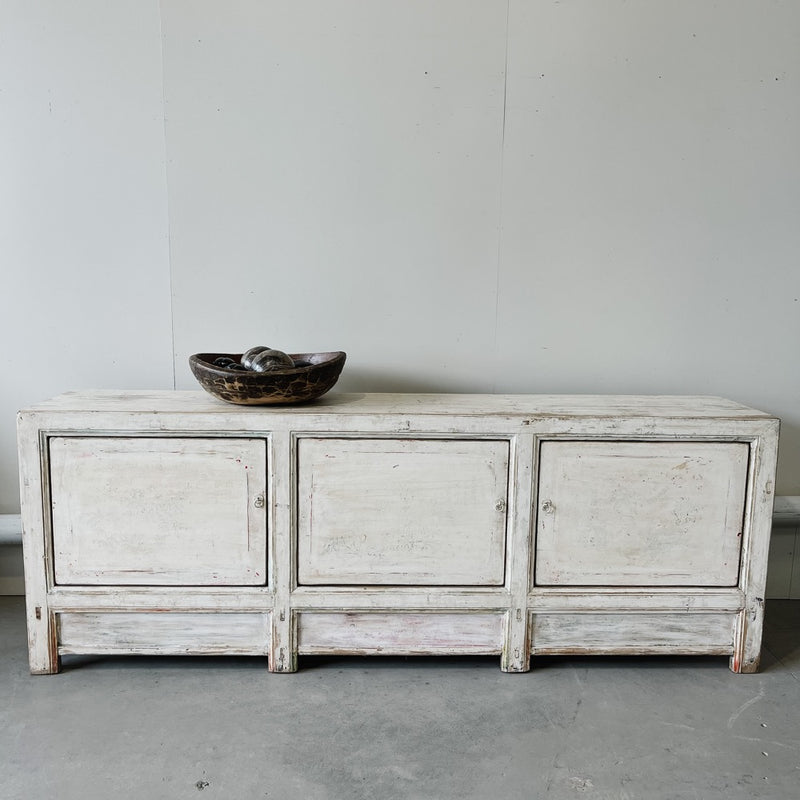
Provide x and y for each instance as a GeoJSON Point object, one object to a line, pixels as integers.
{"type": "Point", "coordinates": [516, 652]}
{"type": "Point", "coordinates": [747, 637]}
{"type": "Point", "coordinates": [283, 646]}
{"type": "Point", "coordinates": [42, 635]}
{"type": "Point", "coordinates": [43, 656]}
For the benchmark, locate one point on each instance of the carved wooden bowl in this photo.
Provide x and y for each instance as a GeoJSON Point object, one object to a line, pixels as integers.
{"type": "Point", "coordinates": [296, 385]}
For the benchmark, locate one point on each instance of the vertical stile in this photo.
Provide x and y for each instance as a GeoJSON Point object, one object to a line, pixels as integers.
{"type": "Point", "coordinates": [282, 470]}
{"type": "Point", "coordinates": [42, 645]}
{"type": "Point", "coordinates": [516, 650]}
{"type": "Point", "coordinates": [747, 645]}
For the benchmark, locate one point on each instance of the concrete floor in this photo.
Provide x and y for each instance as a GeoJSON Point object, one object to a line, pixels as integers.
{"type": "Point", "coordinates": [432, 728]}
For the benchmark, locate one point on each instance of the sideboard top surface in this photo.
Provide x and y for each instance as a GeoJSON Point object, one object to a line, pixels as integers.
{"type": "Point", "coordinates": [341, 403]}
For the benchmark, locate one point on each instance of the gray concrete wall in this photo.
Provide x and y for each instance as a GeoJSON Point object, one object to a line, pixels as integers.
{"type": "Point", "coordinates": [496, 196]}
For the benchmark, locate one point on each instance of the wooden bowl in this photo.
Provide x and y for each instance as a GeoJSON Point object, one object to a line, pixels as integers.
{"type": "Point", "coordinates": [249, 388]}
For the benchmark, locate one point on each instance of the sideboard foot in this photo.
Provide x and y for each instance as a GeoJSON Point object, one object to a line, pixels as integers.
{"type": "Point", "coordinates": [517, 660]}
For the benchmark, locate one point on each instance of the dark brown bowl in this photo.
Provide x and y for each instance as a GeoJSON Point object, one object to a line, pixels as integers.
{"type": "Point", "coordinates": [248, 388]}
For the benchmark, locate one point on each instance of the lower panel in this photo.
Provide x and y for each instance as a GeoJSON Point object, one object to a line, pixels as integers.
{"type": "Point", "coordinates": [163, 633]}
{"type": "Point", "coordinates": [634, 633]}
{"type": "Point", "coordinates": [368, 633]}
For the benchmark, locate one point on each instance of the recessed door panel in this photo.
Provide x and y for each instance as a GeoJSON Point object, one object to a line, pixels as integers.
{"type": "Point", "coordinates": [402, 512]}
{"type": "Point", "coordinates": [640, 513]}
{"type": "Point", "coordinates": [129, 510]}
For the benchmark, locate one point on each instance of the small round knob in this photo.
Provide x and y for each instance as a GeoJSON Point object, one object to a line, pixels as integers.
{"type": "Point", "coordinates": [259, 501]}
{"type": "Point", "coordinates": [548, 507]}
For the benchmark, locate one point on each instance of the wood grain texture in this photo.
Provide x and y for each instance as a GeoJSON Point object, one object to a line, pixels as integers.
{"type": "Point", "coordinates": [160, 598]}
{"type": "Point", "coordinates": [433, 598]}
{"type": "Point", "coordinates": [755, 548]}
{"type": "Point", "coordinates": [158, 511]}
{"type": "Point", "coordinates": [400, 633]}
{"type": "Point", "coordinates": [640, 513]}
{"type": "Point", "coordinates": [516, 652]}
{"type": "Point", "coordinates": [633, 633]}
{"type": "Point", "coordinates": [36, 546]}
{"type": "Point", "coordinates": [402, 512]}
{"type": "Point", "coordinates": [283, 650]}
{"type": "Point", "coordinates": [626, 599]}
{"type": "Point", "coordinates": [163, 633]}
{"type": "Point", "coordinates": [540, 406]}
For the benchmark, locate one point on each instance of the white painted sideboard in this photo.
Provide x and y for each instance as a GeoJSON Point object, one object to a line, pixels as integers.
{"type": "Point", "coordinates": [517, 525]}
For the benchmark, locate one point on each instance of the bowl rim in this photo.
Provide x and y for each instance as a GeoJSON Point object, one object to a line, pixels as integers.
{"type": "Point", "coordinates": [201, 361]}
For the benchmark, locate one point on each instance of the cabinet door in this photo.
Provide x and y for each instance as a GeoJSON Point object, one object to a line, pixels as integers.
{"type": "Point", "coordinates": [402, 512]}
{"type": "Point", "coordinates": [640, 513]}
{"type": "Point", "coordinates": [158, 511]}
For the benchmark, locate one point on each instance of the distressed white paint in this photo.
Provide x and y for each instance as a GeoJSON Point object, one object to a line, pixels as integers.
{"type": "Point", "coordinates": [163, 633]}
{"type": "Point", "coordinates": [663, 599]}
{"type": "Point", "coordinates": [36, 546]}
{"type": "Point", "coordinates": [541, 408]}
{"type": "Point", "coordinates": [755, 552]}
{"type": "Point", "coordinates": [283, 549]}
{"type": "Point", "coordinates": [400, 633]}
{"type": "Point", "coordinates": [158, 511]}
{"type": "Point", "coordinates": [632, 633]}
{"type": "Point", "coordinates": [158, 598]}
{"type": "Point", "coordinates": [331, 598]}
{"type": "Point", "coordinates": [516, 650]}
{"type": "Point", "coordinates": [402, 512]}
{"type": "Point", "coordinates": [640, 513]}
{"type": "Point", "coordinates": [490, 445]}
